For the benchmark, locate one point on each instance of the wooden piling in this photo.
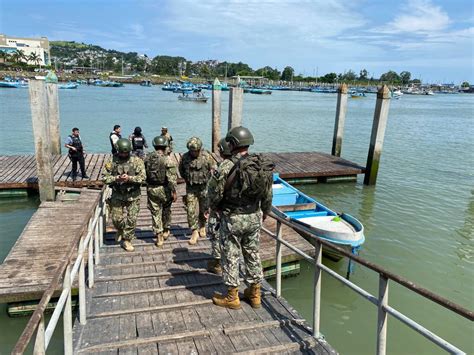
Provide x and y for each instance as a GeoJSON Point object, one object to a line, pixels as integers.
{"type": "Point", "coordinates": [236, 100]}
{"type": "Point", "coordinates": [53, 116]}
{"type": "Point", "coordinates": [42, 139]}
{"type": "Point", "coordinates": [216, 115]}
{"type": "Point", "coordinates": [341, 110]}
{"type": "Point", "coordinates": [378, 133]}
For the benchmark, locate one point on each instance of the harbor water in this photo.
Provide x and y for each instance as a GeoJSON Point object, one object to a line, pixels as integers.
{"type": "Point", "coordinates": [419, 218]}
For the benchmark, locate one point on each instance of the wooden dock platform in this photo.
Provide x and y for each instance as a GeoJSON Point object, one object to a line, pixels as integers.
{"type": "Point", "coordinates": [158, 300]}
{"type": "Point", "coordinates": [19, 171]}
{"type": "Point", "coordinates": [45, 241]}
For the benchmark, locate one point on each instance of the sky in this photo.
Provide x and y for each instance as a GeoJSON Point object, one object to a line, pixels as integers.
{"type": "Point", "coordinates": [432, 39]}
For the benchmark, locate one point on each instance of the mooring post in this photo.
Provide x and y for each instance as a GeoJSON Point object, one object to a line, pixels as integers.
{"type": "Point", "coordinates": [341, 110]}
{"type": "Point", "coordinates": [236, 100]}
{"type": "Point", "coordinates": [378, 133]}
{"type": "Point", "coordinates": [216, 115]}
{"type": "Point", "coordinates": [52, 100]}
{"type": "Point", "coordinates": [42, 139]}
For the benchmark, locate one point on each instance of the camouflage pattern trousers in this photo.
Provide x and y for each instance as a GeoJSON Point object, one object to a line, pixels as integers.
{"type": "Point", "coordinates": [159, 203]}
{"type": "Point", "coordinates": [240, 233]}
{"type": "Point", "coordinates": [195, 201]}
{"type": "Point", "coordinates": [124, 217]}
{"type": "Point", "coordinates": [212, 232]}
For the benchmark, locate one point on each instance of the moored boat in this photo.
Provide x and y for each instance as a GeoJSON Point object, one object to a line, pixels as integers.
{"type": "Point", "coordinates": [68, 86]}
{"type": "Point", "coordinates": [196, 98]}
{"type": "Point", "coordinates": [317, 219]}
{"type": "Point", "coordinates": [146, 83]}
{"type": "Point", "coordinates": [9, 84]}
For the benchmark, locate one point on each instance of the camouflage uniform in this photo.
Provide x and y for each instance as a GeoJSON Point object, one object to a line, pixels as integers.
{"type": "Point", "coordinates": [170, 146]}
{"type": "Point", "coordinates": [125, 200]}
{"type": "Point", "coordinates": [160, 191]}
{"type": "Point", "coordinates": [196, 173]}
{"type": "Point", "coordinates": [213, 224]}
{"type": "Point", "coordinates": [240, 226]}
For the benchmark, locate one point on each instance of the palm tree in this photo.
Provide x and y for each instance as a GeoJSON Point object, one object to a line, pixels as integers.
{"type": "Point", "coordinates": [35, 58]}
{"type": "Point", "coordinates": [4, 56]}
{"type": "Point", "coordinates": [18, 56]}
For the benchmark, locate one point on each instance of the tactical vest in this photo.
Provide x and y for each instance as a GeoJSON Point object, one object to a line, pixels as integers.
{"type": "Point", "coordinates": [124, 168]}
{"type": "Point", "coordinates": [196, 171]}
{"type": "Point", "coordinates": [114, 150]}
{"type": "Point", "coordinates": [76, 143]}
{"type": "Point", "coordinates": [156, 169]}
{"type": "Point", "coordinates": [138, 142]}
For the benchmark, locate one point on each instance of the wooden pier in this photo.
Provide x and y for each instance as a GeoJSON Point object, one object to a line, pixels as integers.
{"type": "Point", "coordinates": [19, 171]}
{"type": "Point", "coordinates": [158, 300]}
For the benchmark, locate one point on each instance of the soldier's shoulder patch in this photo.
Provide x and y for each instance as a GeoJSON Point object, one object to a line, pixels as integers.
{"type": "Point", "coordinates": [108, 165]}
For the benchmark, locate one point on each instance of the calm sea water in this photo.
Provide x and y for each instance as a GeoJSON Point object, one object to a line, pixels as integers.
{"type": "Point", "coordinates": [419, 219]}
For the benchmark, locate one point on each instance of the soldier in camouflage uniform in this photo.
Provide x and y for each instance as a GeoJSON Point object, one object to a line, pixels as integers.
{"type": "Point", "coordinates": [195, 168]}
{"type": "Point", "coordinates": [161, 178]}
{"type": "Point", "coordinates": [240, 224]}
{"type": "Point", "coordinates": [213, 221]}
{"type": "Point", "coordinates": [165, 133]}
{"type": "Point", "coordinates": [124, 174]}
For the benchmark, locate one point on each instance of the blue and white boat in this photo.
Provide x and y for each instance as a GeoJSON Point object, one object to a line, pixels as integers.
{"type": "Point", "coordinates": [317, 219]}
{"type": "Point", "coordinates": [68, 86]}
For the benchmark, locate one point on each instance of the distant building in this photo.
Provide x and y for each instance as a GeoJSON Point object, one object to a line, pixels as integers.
{"type": "Point", "coordinates": [40, 46]}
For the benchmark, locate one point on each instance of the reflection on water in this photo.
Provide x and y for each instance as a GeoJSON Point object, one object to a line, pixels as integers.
{"type": "Point", "coordinates": [465, 244]}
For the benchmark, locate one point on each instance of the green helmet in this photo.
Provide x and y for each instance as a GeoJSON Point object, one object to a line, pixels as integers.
{"type": "Point", "coordinates": [194, 143]}
{"type": "Point", "coordinates": [224, 148]}
{"type": "Point", "coordinates": [160, 141]}
{"type": "Point", "coordinates": [124, 145]}
{"type": "Point", "coordinates": [239, 137]}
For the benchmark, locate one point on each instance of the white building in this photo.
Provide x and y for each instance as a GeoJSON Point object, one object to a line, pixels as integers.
{"type": "Point", "coordinates": [40, 46]}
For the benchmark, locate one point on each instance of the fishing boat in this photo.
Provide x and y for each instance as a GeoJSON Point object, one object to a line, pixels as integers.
{"type": "Point", "coordinates": [196, 98]}
{"type": "Point", "coordinates": [317, 219]}
{"type": "Point", "coordinates": [260, 92]}
{"type": "Point", "coordinates": [68, 86]}
{"type": "Point", "coordinates": [357, 94]}
{"type": "Point", "coordinates": [9, 84]}
{"type": "Point", "coordinates": [107, 83]}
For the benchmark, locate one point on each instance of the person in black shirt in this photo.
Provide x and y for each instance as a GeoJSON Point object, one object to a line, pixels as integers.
{"type": "Point", "coordinates": [76, 153]}
{"type": "Point", "coordinates": [138, 143]}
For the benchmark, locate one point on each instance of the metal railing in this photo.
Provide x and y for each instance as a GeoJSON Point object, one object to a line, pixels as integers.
{"type": "Point", "coordinates": [381, 301]}
{"type": "Point", "coordinates": [85, 246]}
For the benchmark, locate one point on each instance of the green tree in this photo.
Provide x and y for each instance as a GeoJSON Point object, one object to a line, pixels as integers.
{"type": "Point", "coordinates": [35, 58]}
{"type": "Point", "coordinates": [465, 84]}
{"type": "Point", "coordinates": [390, 76]}
{"type": "Point", "coordinates": [363, 74]}
{"type": "Point", "coordinates": [287, 74]}
{"type": "Point", "coordinates": [405, 77]}
{"type": "Point", "coordinates": [269, 73]}
{"type": "Point", "coordinates": [329, 78]}
{"type": "Point", "coordinates": [350, 75]}
{"type": "Point", "coordinates": [166, 65]}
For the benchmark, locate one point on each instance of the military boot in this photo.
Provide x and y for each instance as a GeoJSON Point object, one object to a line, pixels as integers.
{"type": "Point", "coordinates": [231, 300]}
{"type": "Point", "coordinates": [214, 266]}
{"type": "Point", "coordinates": [166, 234]}
{"type": "Point", "coordinates": [202, 232]}
{"type": "Point", "coordinates": [127, 245]}
{"type": "Point", "coordinates": [252, 294]}
{"type": "Point", "coordinates": [194, 237]}
{"type": "Point", "coordinates": [159, 240]}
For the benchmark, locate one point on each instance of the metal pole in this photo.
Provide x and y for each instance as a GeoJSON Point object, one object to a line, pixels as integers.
{"type": "Point", "coordinates": [317, 289]}
{"type": "Point", "coordinates": [96, 243]}
{"type": "Point", "coordinates": [382, 316]}
{"type": "Point", "coordinates": [341, 110]}
{"type": "Point", "coordinates": [67, 313]}
{"type": "Point", "coordinates": [278, 258]}
{"type": "Point", "coordinates": [40, 348]}
{"type": "Point", "coordinates": [82, 284]}
{"type": "Point", "coordinates": [90, 262]}
{"type": "Point", "coordinates": [216, 115]}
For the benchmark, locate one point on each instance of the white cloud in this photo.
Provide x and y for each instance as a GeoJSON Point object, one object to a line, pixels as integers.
{"type": "Point", "coordinates": [419, 16]}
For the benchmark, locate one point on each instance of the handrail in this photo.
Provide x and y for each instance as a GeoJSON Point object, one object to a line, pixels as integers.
{"type": "Point", "coordinates": [67, 274]}
{"type": "Point", "coordinates": [388, 274]}
{"type": "Point", "coordinates": [381, 302]}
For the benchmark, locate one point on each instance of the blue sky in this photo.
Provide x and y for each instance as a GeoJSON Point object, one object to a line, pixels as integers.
{"type": "Point", "coordinates": [432, 39]}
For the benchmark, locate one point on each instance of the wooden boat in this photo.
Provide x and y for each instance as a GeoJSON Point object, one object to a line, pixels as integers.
{"type": "Point", "coordinates": [317, 219]}
{"type": "Point", "coordinates": [195, 98]}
